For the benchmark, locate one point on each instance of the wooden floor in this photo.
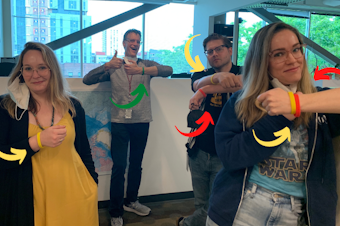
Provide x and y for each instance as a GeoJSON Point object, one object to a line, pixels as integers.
{"type": "Point", "coordinates": [162, 214]}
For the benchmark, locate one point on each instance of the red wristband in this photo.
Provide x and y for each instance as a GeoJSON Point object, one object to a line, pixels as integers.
{"type": "Point", "coordinates": [298, 109]}
{"type": "Point", "coordinates": [204, 94]}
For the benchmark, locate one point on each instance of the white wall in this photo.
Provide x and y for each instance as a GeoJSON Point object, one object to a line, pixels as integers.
{"type": "Point", "coordinates": [204, 13]}
{"type": "Point", "coordinates": [164, 164]}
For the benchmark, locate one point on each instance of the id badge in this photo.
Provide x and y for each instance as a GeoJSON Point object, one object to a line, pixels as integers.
{"type": "Point", "coordinates": [128, 113]}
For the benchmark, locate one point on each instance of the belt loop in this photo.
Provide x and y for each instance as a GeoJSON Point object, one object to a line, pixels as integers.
{"type": "Point", "coordinates": [253, 190]}
{"type": "Point", "coordinates": [293, 203]}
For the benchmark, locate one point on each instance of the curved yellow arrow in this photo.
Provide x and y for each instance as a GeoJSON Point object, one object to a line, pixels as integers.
{"type": "Point", "coordinates": [18, 154]}
{"type": "Point", "coordinates": [282, 136]}
{"type": "Point", "coordinates": [198, 66]}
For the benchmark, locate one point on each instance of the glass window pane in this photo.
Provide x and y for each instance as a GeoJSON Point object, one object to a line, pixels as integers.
{"type": "Point", "coordinates": [248, 27]}
{"type": "Point", "coordinates": [99, 11]}
{"type": "Point", "coordinates": [43, 21]}
{"type": "Point", "coordinates": [298, 23]}
{"type": "Point", "coordinates": [166, 35]}
{"type": "Point", "coordinates": [69, 59]}
{"type": "Point", "coordinates": [325, 32]}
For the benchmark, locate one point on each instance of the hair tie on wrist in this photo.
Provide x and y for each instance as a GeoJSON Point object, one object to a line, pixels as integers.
{"type": "Point", "coordinates": [211, 79]}
{"type": "Point", "coordinates": [292, 102]}
{"type": "Point", "coordinates": [204, 94]}
{"type": "Point", "coordinates": [298, 108]}
{"type": "Point", "coordinates": [39, 141]}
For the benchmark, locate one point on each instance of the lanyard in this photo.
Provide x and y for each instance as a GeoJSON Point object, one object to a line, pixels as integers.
{"type": "Point", "coordinates": [130, 80]}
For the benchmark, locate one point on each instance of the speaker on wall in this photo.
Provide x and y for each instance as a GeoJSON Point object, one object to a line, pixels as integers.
{"type": "Point", "coordinates": [225, 29]}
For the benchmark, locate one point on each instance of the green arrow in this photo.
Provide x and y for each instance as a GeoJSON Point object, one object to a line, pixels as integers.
{"type": "Point", "coordinates": [140, 90]}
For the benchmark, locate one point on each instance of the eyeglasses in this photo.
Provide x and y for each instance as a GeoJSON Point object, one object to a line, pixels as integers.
{"type": "Point", "coordinates": [218, 49]}
{"type": "Point", "coordinates": [28, 71]}
{"type": "Point", "coordinates": [281, 55]}
{"type": "Point", "coordinates": [134, 40]}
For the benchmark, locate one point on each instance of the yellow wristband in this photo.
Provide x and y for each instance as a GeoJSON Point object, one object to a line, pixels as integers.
{"type": "Point", "coordinates": [211, 79]}
{"type": "Point", "coordinates": [39, 141]}
{"type": "Point", "coordinates": [292, 102]}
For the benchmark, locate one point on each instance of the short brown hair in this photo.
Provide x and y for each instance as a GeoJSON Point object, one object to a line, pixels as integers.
{"type": "Point", "coordinates": [215, 36]}
{"type": "Point", "coordinates": [137, 32]}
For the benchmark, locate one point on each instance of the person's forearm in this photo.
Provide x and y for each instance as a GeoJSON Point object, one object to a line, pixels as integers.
{"type": "Point", "coordinates": [327, 101]}
{"type": "Point", "coordinates": [99, 74]}
{"type": "Point", "coordinates": [204, 82]}
{"type": "Point", "coordinates": [153, 71]}
{"type": "Point", "coordinates": [210, 89]}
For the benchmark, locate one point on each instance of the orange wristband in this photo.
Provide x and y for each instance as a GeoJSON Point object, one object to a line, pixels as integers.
{"type": "Point", "coordinates": [298, 108]}
{"type": "Point", "coordinates": [204, 94]}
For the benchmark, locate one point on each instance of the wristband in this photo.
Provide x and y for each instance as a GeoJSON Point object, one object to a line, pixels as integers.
{"type": "Point", "coordinates": [143, 71]}
{"type": "Point", "coordinates": [211, 79]}
{"type": "Point", "coordinates": [292, 102]}
{"type": "Point", "coordinates": [298, 108]}
{"type": "Point", "coordinates": [39, 141]}
{"type": "Point", "coordinates": [204, 94]}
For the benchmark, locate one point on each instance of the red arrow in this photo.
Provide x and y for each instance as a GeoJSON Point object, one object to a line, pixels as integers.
{"type": "Point", "coordinates": [319, 75]}
{"type": "Point", "coordinates": [205, 119]}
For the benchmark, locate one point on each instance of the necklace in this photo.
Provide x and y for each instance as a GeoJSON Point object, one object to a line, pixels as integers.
{"type": "Point", "coordinates": [36, 119]}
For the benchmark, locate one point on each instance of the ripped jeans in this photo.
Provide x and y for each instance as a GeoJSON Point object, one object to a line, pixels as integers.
{"type": "Point", "coordinates": [262, 207]}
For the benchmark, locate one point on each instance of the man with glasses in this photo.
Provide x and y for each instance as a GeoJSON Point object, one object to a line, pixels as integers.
{"type": "Point", "coordinates": [215, 85]}
{"type": "Point", "coordinates": [128, 124]}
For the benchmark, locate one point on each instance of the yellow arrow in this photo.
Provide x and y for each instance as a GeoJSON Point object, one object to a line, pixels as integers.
{"type": "Point", "coordinates": [282, 136]}
{"type": "Point", "coordinates": [198, 66]}
{"type": "Point", "coordinates": [18, 154]}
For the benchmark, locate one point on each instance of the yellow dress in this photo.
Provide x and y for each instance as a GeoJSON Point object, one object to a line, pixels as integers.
{"type": "Point", "coordinates": [64, 192]}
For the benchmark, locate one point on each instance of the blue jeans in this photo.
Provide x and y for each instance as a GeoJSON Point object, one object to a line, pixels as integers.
{"type": "Point", "coordinates": [204, 168]}
{"type": "Point", "coordinates": [122, 134]}
{"type": "Point", "coordinates": [262, 207]}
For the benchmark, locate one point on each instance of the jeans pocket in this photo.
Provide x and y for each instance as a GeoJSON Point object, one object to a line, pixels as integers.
{"type": "Point", "coordinates": [247, 194]}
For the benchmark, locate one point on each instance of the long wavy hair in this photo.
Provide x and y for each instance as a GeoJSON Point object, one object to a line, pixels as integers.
{"type": "Point", "coordinates": [256, 78]}
{"type": "Point", "coordinates": [59, 93]}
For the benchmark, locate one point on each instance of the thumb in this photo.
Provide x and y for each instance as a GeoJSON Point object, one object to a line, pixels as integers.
{"type": "Point", "coordinates": [115, 53]}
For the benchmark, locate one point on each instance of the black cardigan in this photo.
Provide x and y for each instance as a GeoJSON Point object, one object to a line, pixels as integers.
{"type": "Point", "coordinates": [16, 186]}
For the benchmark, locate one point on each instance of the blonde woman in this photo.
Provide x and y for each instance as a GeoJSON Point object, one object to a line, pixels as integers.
{"type": "Point", "coordinates": [292, 183]}
{"type": "Point", "coordinates": [55, 184]}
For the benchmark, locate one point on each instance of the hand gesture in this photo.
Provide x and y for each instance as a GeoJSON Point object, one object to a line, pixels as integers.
{"type": "Point", "coordinates": [132, 69]}
{"type": "Point", "coordinates": [115, 62]}
{"type": "Point", "coordinates": [229, 80]}
{"type": "Point", "coordinates": [53, 136]}
{"type": "Point", "coordinates": [196, 101]}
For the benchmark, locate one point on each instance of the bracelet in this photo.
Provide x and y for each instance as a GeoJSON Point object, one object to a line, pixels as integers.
{"type": "Point", "coordinates": [211, 79]}
{"type": "Point", "coordinates": [292, 102]}
{"type": "Point", "coordinates": [298, 108]}
{"type": "Point", "coordinates": [143, 71]}
{"type": "Point", "coordinates": [39, 141]}
{"type": "Point", "coordinates": [204, 94]}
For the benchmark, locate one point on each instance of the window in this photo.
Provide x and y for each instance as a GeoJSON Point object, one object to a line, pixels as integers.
{"type": "Point", "coordinates": [72, 4]}
{"type": "Point", "coordinates": [247, 28]}
{"type": "Point", "coordinates": [165, 39]}
{"type": "Point", "coordinates": [51, 23]}
{"type": "Point", "coordinates": [324, 31]}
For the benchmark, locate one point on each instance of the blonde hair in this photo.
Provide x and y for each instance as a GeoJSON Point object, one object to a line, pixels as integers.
{"type": "Point", "coordinates": [256, 78]}
{"type": "Point", "coordinates": [59, 94]}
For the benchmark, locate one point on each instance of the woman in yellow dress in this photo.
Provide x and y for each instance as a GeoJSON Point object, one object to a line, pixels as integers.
{"type": "Point", "coordinates": [54, 183]}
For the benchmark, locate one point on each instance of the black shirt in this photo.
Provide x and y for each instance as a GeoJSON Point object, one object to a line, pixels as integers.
{"type": "Point", "coordinates": [213, 105]}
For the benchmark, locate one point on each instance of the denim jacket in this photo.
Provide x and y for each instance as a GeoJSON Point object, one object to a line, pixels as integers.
{"type": "Point", "coordinates": [239, 152]}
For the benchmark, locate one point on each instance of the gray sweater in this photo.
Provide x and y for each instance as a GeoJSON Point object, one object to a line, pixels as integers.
{"type": "Point", "coordinates": [141, 112]}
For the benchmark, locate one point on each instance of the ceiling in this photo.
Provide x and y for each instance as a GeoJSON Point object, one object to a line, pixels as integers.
{"type": "Point", "coordinates": [318, 6]}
